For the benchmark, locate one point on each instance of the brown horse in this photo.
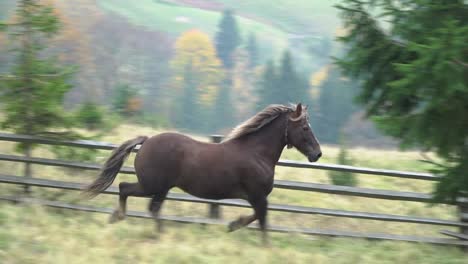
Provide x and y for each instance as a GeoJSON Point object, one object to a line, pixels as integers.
{"type": "Point", "coordinates": [242, 166]}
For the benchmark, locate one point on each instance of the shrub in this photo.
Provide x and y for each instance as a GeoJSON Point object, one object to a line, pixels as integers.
{"type": "Point", "coordinates": [90, 116]}
{"type": "Point", "coordinates": [342, 177]}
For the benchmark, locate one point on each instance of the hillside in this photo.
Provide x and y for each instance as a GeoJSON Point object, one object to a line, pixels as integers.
{"type": "Point", "coordinates": [177, 16]}
{"type": "Point", "coordinates": [301, 17]}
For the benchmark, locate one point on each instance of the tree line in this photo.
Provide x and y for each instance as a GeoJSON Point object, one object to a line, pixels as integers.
{"type": "Point", "coordinates": [410, 80]}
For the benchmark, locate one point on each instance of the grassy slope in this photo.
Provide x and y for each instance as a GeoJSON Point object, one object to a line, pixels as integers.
{"type": "Point", "coordinates": [42, 232]}
{"type": "Point", "coordinates": [31, 234]}
{"type": "Point", "coordinates": [298, 16]}
{"type": "Point", "coordinates": [164, 17]}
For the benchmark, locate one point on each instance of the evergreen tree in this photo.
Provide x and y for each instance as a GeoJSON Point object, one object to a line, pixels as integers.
{"type": "Point", "coordinates": [123, 96]}
{"type": "Point", "coordinates": [227, 38]}
{"type": "Point", "coordinates": [292, 87]}
{"type": "Point", "coordinates": [415, 76]}
{"type": "Point", "coordinates": [252, 49]}
{"type": "Point", "coordinates": [343, 177]}
{"type": "Point", "coordinates": [188, 116]}
{"type": "Point", "coordinates": [223, 115]}
{"type": "Point", "coordinates": [268, 90]}
{"type": "Point", "coordinates": [90, 116]}
{"type": "Point", "coordinates": [33, 90]}
{"type": "Point", "coordinates": [335, 106]}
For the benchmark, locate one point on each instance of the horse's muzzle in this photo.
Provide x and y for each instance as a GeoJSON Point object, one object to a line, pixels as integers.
{"type": "Point", "coordinates": [313, 157]}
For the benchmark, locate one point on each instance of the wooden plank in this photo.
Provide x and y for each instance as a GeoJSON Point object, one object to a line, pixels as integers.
{"type": "Point", "coordinates": [309, 231]}
{"type": "Point", "coordinates": [60, 163]}
{"type": "Point", "coordinates": [288, 163]}
{"type": "Point", "coordinates": [325, 188]}
{"type": "Point", "coordinates": [283, 184]}
{"type": "Point", "coordinates": [354, 191]}
{"type": "Point", "coordinates": [50, 141]}
{"type": "Point", "coordinates": [361, 170]}
{"type": "Point", "coordinates": [365, 215]}
{"type": "Point", "coordinates": [241, 203]}
{"type": "Point", "coordinates": [464, 216]}
{"type": "Point", "coordinates": [454, 234]}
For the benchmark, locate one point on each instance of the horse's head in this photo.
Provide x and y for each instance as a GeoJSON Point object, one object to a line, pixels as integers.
{"type": "Point", "coordinates": [300, 135]}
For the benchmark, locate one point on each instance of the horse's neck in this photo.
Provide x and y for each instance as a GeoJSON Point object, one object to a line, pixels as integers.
{"type": "Point", "coordinates": [269, 141]}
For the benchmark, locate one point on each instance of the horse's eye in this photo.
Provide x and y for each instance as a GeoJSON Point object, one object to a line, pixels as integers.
{"type": "Point", "coordinates": [305, 128]}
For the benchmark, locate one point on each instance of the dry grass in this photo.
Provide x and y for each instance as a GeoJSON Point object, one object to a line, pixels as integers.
{"type": "Point", "coordinates": [32, 233]}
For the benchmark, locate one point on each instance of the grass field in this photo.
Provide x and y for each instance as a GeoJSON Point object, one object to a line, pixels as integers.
{"type": "Point", "coordinates": [298, 16]}
{"type": "Point", "coordinates": [30, 233]}
{"type": "Point", "coordinates": [177, 19]}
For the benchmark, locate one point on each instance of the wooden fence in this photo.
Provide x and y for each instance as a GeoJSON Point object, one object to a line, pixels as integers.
{"type": "Point", "coordinates": [460, 238]}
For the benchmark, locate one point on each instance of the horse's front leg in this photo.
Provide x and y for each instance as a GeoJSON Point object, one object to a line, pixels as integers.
{"type": "Point", "coordinates": [260, 205]}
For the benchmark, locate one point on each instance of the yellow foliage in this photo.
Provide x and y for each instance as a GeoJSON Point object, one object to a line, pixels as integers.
{"type": "Point", "coordinates": [316, 80]}
{"type": "Point", "coordinates": [195, 47]}
{"type": "Point", "coordinates": [134, 104]}
{"type": "Point", "coordinates": [318, 77]}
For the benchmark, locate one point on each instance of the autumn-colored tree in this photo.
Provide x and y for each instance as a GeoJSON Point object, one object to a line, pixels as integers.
{"type": "Point", "coordinates": [194, 52]}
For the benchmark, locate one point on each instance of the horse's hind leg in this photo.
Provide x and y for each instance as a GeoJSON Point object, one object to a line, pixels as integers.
{"type": "Point", "coordinates": [155, 207]}
{"type": "Point", "coordinates": [241, 222]}
{"type": "Point", "coordinates": [125, 189]}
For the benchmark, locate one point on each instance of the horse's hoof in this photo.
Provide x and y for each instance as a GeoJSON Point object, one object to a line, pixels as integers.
{"type": "Point", "coordinates": [116, 216]}
{"type": "Point", "coordinates": [233, 226]}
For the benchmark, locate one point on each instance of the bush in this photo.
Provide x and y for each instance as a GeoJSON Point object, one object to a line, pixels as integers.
{"type": "Point", "coordinates": [74, 154]}
{"type": "Point", "coordinates": [342, 177]}
{"type": "Point", "coordinates": [90, 116]}
{"type": "Point", "coordinates": [126, 101]}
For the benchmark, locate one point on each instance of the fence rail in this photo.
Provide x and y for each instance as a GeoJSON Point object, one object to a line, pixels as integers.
{"type": "Point", "coordinates": [282, 184]}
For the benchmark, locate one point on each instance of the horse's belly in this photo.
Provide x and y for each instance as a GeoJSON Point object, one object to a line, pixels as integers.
{"type": "Point", "coordinates": [213, 189]}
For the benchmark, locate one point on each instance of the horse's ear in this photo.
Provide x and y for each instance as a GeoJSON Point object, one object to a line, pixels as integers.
{"type": "Point", "coordinates": [299, 109]}
{"type": "Point", "coordinates": [297, 113]}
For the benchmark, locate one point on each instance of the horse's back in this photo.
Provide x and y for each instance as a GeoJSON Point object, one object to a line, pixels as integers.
{"type": "Point", "coordinates": [159, 161]}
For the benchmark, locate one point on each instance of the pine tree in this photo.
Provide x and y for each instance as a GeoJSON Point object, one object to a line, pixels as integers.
{"type": "Point", "coordinates": [33, 90]}
{"type": "Point", "coordinates": [335, 106]}
{"type": "Point", "coordinates": [292, 87]}
{"type": "Point", "coordinates": [188, 115]}
{"type": "Point", "coordinates": [227, 38]}
{"type": "Point", "coordinates": [123, 96]}
{"type": "Point", "coordinates": [415, 76]}
{"type": "Point", "coordinates": [342, 177]}
{"type": "Point", "coordinates": [252, 49]}
{"type": "Point", "coordinates": [267, 86]}
{"type": "Point", "coordinates": [223, 115]}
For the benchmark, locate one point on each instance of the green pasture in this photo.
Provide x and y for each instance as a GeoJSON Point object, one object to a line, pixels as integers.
{"type": "Point", "coordinates": [296, 16]}
{"type": "Point", "coordinates": [173, 18]}
{"type": "Point", "coordinates": [31, 233]}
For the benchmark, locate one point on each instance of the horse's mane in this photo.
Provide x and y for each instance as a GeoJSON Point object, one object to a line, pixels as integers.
{"type": "Point", "coordinates": [259, 120]}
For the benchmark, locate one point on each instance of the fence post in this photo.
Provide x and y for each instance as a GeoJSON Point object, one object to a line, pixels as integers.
{"type": "Point", "coordinates": [463, 211]}
{"type": "Point", "coordinates": [215, 209]}
{"type": "Point", "coordinates": [27, 166]}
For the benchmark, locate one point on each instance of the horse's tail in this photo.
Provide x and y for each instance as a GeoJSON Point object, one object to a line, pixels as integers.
{"type": "Point", "coordinates": [112, 166]}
